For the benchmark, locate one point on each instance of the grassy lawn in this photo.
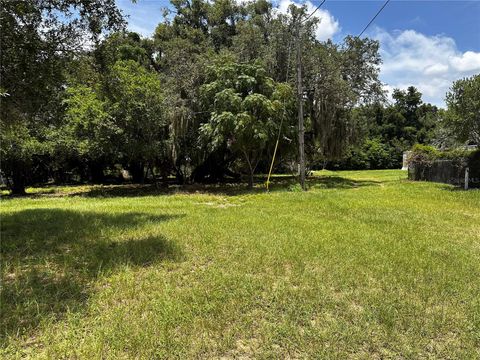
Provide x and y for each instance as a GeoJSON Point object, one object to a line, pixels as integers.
{"type": "Point", "coordinates": [363, 265]}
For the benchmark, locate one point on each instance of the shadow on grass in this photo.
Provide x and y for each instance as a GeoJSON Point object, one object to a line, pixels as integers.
{"type": "Point", "coordinates": [50, 257]}
{"type": "Point", "coordinates": [458, 188]}
{"type": "Point", "coordinates": [338, 182]}
{"type": "Point", "coordinates": [277, 183]}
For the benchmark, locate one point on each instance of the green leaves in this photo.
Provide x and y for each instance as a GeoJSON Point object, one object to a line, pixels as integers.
{"type": "Point", "coordinates": [124, 120]}
{"type": "Point", "coordinates": [138, 109]}
{"type": "Point", "coordinates": [463, 115]}
{"type": "Point", "coordinates": [244, 107]}
{"type": "Point", "coordinates": [89, 127]}
{"type": "Point", "coordinates": [39, 40]}
{"type": "Point", "coordinates": [227, 99]}
{"type": "Point", "coordinates": [246, 110]}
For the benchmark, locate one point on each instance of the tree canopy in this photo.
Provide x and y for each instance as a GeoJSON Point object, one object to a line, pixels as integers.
{"type": "Point", "coordinates": [204, 98]}
{"type": "Point", "coordinates": [463, 115]}
{"type": "Point", "coordinates": [246, 110]}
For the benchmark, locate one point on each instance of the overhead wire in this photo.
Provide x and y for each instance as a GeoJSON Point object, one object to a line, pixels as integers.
{"type": "Point", "coordinates": [362, 32]}
{"type": "Point", "coordinates": [313, 12]}
{"type": "Point", "coordinates": [373, 19]}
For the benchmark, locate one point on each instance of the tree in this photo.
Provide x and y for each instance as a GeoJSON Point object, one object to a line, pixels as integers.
{"type": "Point", "coordinates": [71, 110]}
{"type": "Point", "coordinates": [124, 121]}
{"type": "Point", "coordinates": [182, 53]}
{"type": "Point", "coordinates": [222, 17]}
{"type": "Point", "coordinates": [407, 102]}
{"type": "Point", "coordinates": [124, 46]}
{"type": "Point", "coordinates": [463, 109]}
{"type": "Point", "coordinates": [89, 130]}
{"type": "Point", "coordinates": [247, 107]}
{"type": "Point", "coordinates": [408, 120]}
{"type": "Point", "coordinates": [339, 80]}
{"type": "Point", "coordinates": [18, 147]}
{"type": "Point", "coordinates": [384, 131]}
{"type": "Point", "coordinates": [38, 39]}
{"type": "Point", "coordinates": [137, 106]}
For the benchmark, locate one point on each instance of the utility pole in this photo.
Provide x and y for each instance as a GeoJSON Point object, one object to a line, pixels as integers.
{"type": "Point", "coordinates": [301, 129]}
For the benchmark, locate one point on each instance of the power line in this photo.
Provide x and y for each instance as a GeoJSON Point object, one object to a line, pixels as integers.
{"type": "Point", "coordinates": [361, 33]}
{"type": "Point", "coordinates": [314, 11]}
{"type": "Point", "coordinates": [373, 19]}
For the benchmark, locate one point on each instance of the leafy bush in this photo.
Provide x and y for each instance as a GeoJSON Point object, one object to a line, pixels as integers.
{"type": "Point", "coordinates": [423, 155]}
{"type": "Point", "coordinates": [372, 154]}
{"type": "Point", "coordinates": [426, 155]}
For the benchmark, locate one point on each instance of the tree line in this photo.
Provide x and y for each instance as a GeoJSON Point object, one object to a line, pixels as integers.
{"type": "Point", "coordinates": [203, 99]}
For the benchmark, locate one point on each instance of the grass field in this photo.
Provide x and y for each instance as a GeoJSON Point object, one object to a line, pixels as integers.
{"type": "Point", "coordinates": [364, 265]}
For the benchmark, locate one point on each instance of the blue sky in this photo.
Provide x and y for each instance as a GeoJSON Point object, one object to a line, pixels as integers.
{"type": "Point", "coordinates": [427, 44]}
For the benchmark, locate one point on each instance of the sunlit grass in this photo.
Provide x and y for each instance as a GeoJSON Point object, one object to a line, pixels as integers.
{"type": "Point", "coordinates": [364, 265]}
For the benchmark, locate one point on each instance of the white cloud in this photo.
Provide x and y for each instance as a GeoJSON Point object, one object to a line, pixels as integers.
{"type": "Point", "coordinates": [327, 26]}
{"type": "Point", "coordinates": [430, 63]}
{"type": "Point", "coordinates": [467, 62]}
{"type": "Point", "coordinates": [435, 69]}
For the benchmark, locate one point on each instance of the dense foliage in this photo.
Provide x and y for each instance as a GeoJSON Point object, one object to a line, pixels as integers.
{"type": "Point", "coordinates": [39, 39]}
{"type": "Point", "coordinates": [389, 130]}
{"type": "Point", "coordinates": [246, 110]}
{"type": "Point", "coordinates": [463, 115]}
{"type": "Point", "coordinates": [206, 97]}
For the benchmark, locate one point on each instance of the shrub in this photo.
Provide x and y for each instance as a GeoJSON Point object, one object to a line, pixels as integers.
{"type": "Point", "coordinates": [370, 155]}
{"type": "Point", "coordinates": [426, 154]}
{"type": "Point", "coordinates": [423, 154]}
{"type": "Point", "coordinates": [430, 164]}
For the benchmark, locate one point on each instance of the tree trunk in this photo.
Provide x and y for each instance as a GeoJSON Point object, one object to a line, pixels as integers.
{"type": "Point", "coordinates": [138, 173]}
{"type": "Point", "coordinates": [96, 173]}
{"type": "Point", "coordinates": [250, 168]}
{"type": "Point", "coordinates": [18, 180]}
{"type": "Point", "coordinates": [179, 176]}
{"type": "Point", "coordinates": [250, 180]}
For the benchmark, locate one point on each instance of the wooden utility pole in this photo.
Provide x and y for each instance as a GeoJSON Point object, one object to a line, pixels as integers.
{"type": "Point", "coordinates": [301, 129]}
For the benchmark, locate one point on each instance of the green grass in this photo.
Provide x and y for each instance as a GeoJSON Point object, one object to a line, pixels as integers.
{"type": "Point", "coordinates": [364, 265]}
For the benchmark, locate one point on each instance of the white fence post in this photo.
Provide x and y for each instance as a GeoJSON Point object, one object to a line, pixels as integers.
{"type": "Point", "coordinates": [467, 170]}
